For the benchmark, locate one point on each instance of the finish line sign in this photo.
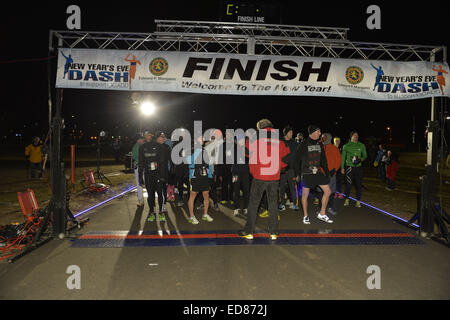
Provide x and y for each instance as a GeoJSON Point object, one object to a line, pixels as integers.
{"type": "Point", "coordinates": [240, 74]}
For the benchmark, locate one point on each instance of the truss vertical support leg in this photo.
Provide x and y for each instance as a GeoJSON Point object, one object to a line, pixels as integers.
{"type": "Point", "coordinates": [58, 176]}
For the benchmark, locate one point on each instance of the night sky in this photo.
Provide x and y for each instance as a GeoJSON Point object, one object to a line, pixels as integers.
{"type": "Point", "coordinates": [25, 29]}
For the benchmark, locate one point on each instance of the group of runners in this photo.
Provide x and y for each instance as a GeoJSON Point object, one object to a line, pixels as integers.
{"type": "Point", "coordinates": [313, 165]}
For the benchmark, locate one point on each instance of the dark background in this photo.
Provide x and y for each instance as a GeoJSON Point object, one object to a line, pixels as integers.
{"type": "Point", "coordinates": [25, 30]}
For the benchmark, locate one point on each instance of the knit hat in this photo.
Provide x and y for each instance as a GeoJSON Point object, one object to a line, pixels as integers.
{"type": "Point", "coordinates": [159, 134]}
{"type": "Point", "coordinates": [312, 128]}
{"type": "Point", "coordinates": [264, 123]}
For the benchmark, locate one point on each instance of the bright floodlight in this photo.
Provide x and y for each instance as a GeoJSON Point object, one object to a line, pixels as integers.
{"type": "Point", "coordinates": [147, 108]}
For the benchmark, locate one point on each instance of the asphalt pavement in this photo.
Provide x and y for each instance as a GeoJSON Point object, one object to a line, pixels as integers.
{"type": "Point", "coordinates": [120, 255]}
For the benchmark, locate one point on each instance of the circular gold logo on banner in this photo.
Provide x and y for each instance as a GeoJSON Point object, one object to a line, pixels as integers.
{"type": "Point", "coordinates": [354, 75]}
{"type": "Point", "coordinates": [158, 66]}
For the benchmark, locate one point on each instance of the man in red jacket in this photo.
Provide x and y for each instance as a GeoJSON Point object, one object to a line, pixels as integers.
{"type": "Point", "coordinates": [267, 156]}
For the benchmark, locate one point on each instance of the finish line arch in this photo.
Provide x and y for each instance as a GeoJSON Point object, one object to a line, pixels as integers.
{"type": "Point", "coordinates": [242, 59]}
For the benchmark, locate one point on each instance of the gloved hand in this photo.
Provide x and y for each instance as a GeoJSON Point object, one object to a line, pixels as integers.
{"type": "Point", "coordinates": [356, 160]}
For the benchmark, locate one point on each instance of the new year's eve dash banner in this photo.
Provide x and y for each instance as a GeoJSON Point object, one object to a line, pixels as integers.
{"type": "Point", "coordinates": [216, 73]}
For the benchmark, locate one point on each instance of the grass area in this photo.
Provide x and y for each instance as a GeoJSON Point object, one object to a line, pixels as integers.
{"type": "Point", "coordinates": [15, 180]}
{"type": "Point", "coordinates": [402, 201]}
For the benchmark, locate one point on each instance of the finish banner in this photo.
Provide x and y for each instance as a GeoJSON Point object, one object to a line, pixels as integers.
{"type": "Point", "coordinates": [240, 74]}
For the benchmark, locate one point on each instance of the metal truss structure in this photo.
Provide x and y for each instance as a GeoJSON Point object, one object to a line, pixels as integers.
{"type": "Point", "coordinates": [238, 38]}
{"type": "Point", "coordinates": [247, 38]}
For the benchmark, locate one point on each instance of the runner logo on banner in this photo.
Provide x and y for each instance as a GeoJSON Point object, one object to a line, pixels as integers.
{"type": "Point", "coordinates": [215, 73]}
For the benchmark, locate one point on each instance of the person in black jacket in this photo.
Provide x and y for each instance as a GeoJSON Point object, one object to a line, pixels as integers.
{"type": "Point", "coordinates": [311, 164]}
{"type": "Point", "coordinates": [240, 175]}
{"type": "Point", "coordinates": [153, 173]}
{"type": "Point", "coordinates": [287, 175]}
{"type": "Point", "coordinates": [165, 168]}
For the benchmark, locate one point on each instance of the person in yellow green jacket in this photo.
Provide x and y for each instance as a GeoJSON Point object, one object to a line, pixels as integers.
{"type": "Point", "coordinates": [353, 154]}
{"type": "Point", "coordinates": [35, 156]}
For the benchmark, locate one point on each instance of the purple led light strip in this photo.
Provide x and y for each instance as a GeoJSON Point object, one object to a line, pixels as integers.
{"type": "Point", "coordinates": [385, 212]}
{"type": "Point", "coordinates": [133, 188]}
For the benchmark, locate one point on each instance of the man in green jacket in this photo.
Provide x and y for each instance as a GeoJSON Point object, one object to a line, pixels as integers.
{"type": "Point", "coordinates": [353, 154]}
{"type": "Point", "coordinates": [135, 156]}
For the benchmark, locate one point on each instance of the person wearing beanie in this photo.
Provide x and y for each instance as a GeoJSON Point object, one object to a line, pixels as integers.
{"type": "Point", "coordinates": [311, 164]}
{"type": "Point", "coordinates": [287, 176]}
{"type": "Point", "coordinates": [334, 160]}
{"type": "Point", "coordinates": [353, 154]}
{"type": "Point", "coordinates": [135, 157]}
{"type": "Point", "coordinates": [267, 155]}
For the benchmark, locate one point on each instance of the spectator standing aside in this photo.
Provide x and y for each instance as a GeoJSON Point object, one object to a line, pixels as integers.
{"type": "Point", "coordinates": [311, 163]}
{"type": "Point", "coordinates": [287, 176]}
{"type": "Point", "coordinates": [267, 156]}
{"type": "Point", "coordinates": [135, 157]}
{"type": "Point", "coordinates": [116, 149]}
{"type": "Point", "coordinates": [353, 154]}
{"type": "Point", "coordinates": [380, 162]}
{"type": "Point", "coordinates": [35, 156]}
{"type": "Point", "coordinates": [391, 170]}
{"type": "Point", "coordinates": [334, 161]}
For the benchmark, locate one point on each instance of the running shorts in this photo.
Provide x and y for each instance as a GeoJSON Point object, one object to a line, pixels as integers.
{"type": "Point", "coordinates": [200, 184]}
{"type": "Point", "coordinates": [313, 180]}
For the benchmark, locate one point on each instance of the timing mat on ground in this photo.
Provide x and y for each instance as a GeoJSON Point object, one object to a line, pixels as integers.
{"type": "Point", "coordinates": [119, 239]}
